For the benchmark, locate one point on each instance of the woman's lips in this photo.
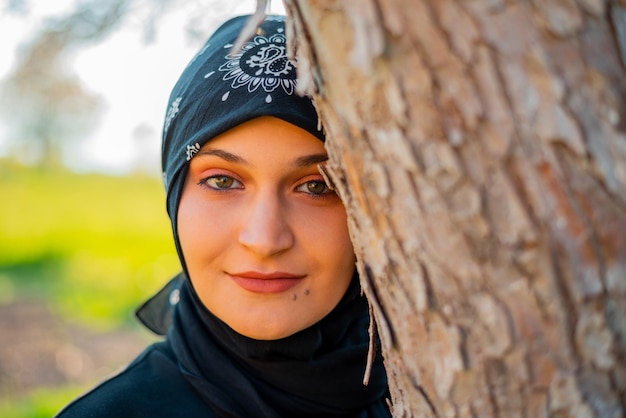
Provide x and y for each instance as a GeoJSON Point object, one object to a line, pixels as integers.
{"type": "Point", "coordinates": [266, 283]}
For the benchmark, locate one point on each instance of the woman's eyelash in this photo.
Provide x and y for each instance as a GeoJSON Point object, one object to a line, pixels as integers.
{"type": "Point", "coordinates": [317, 188]}
{"type": "Point", "coordinates": [307, 187]}
{"type": "Point", "coordinates": [221, 182]}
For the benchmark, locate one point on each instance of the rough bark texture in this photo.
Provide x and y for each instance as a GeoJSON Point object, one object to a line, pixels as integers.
{"type": "Point", "coordinates": [480, 148]}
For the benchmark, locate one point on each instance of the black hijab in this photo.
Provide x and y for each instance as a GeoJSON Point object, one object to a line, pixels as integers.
{"type": "Point", "coordinates": [317, 372]}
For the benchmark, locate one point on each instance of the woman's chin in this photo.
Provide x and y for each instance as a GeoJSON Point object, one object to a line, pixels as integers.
{"type": "Point", "coordinates": [264, 330]}
{"type": "Point", "coordinates": [264, 333]}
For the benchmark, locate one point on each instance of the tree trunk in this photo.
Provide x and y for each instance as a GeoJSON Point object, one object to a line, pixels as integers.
{"type": "Point", "coordinates": [480, 148]}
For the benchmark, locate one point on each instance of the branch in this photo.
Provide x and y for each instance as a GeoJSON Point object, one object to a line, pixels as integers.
{"type": "Point", "coordinates": [251, 25]}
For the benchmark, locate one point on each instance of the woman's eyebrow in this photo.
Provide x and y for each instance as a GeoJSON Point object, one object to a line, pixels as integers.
{"type": "Point", "coordinates": [308, 160]}
{"type": "Point", "coordinates": [304, 161]}
{"type": "Point", "coordinates": [224, 155]}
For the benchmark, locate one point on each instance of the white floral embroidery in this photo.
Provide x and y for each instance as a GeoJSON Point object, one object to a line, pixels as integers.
{"type": "Point", "coordinates": [192, 150]}
{"type": "Point", "coordinates": [171, 113]}
{"type": "Point", "coordinates": [261, 62]}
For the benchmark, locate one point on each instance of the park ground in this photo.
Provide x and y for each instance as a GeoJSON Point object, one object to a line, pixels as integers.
{"type": "Point", "coordinates": [44, 355]}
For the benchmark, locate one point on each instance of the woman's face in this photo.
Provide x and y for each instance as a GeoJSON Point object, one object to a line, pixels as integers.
{"type": "Point", "coordinates": [265, 241]}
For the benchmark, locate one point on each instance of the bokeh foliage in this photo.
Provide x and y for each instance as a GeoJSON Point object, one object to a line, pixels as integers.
{"type": "Point", "coordinates": [94, 245]}
{"type": "Point", "coordinates": [41, 403]}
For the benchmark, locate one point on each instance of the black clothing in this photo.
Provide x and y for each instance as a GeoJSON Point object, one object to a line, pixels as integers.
{"type": "Point", "coordinates": [151, 386]}
{"type": "Point", "coordinates": [205, 369]}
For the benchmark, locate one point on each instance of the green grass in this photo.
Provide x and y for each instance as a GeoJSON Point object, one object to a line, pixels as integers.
{"type": "Point", "coordinates": [40, 403]}
{"type": "Point", "coordinates": [94, 245]}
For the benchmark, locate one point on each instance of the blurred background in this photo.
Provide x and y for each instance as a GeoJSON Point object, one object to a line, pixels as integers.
{"type": "Point", "coordinates": [84, 236]}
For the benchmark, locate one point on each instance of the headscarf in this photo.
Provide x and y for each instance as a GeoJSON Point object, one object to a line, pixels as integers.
{"type": "Point", "coordinates": [315, 372]}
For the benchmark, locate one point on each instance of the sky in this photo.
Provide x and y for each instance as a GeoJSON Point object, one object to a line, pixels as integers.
{"type": "Point", "coordinates": [134, 79]}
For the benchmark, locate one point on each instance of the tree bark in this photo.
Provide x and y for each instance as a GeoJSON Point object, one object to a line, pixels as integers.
{"type": "Point", "coordinates": [480, 149]}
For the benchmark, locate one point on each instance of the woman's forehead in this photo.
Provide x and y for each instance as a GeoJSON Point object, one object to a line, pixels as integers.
{"type": "Point", "coordinates": [264, 135]}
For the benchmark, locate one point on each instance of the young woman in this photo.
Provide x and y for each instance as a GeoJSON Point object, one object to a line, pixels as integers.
{"type": "Point", "coordinates": [266, 318]}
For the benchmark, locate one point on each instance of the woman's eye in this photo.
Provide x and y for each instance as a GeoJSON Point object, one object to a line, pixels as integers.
{"type": "Point", "coordinates": [314, 187]}
{"type": "Point", "coordinates": [222, 182]}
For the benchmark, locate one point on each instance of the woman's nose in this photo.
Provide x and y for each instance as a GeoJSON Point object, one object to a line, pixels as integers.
{"type": "Point", "coordinates": [265, 229]}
